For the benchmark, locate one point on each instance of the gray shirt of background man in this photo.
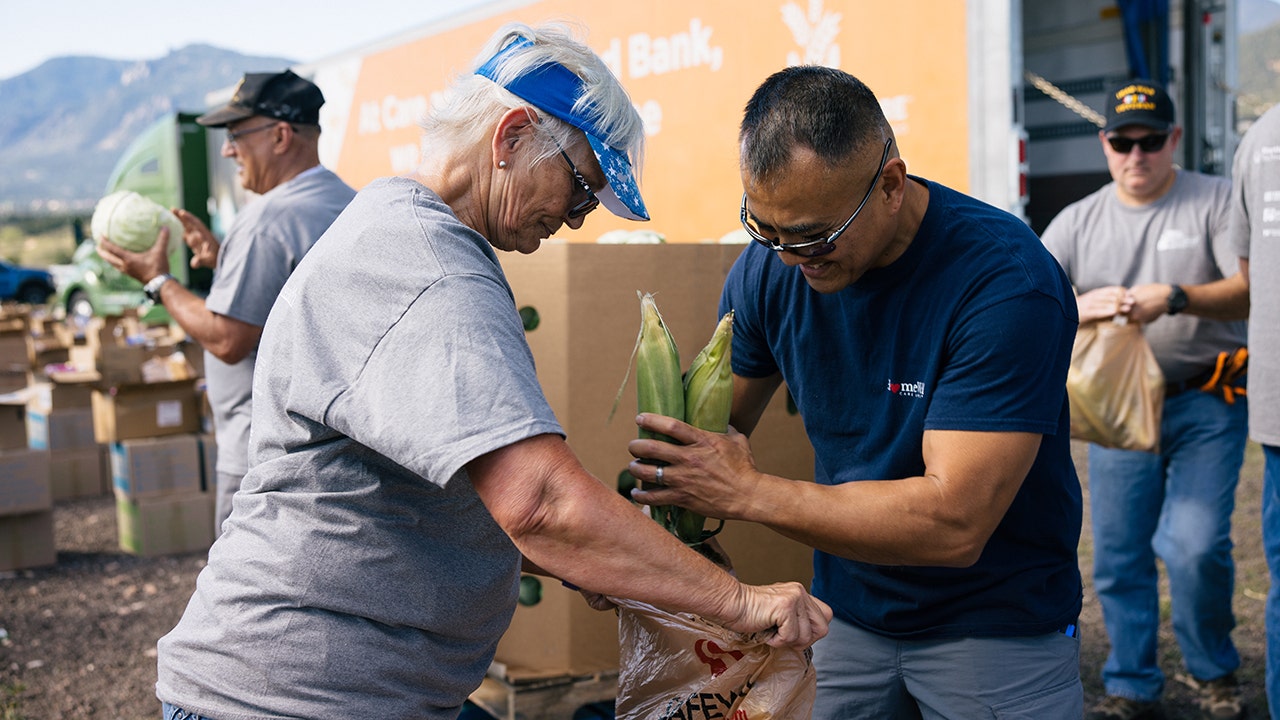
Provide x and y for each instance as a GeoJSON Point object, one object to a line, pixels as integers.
{"type": "Point", "coordinates": [360, 564]}
{"type": "Point", "coordinates": [264, 244]}
{"type": "Point", "coordinates": [1180, 238]}
{"type": "Point", "coordinates": [1255, 235]}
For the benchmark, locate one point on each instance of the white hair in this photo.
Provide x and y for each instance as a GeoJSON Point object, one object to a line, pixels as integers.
{"type": "Point", "coordinates": [465, 113]}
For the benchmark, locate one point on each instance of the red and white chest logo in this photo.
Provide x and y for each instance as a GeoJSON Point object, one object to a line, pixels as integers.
{"type": "Point", "coordinates": [905, 389]}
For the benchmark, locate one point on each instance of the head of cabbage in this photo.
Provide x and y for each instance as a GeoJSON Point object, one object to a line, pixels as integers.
{"type": "Point", "coordinates": [132, 221]}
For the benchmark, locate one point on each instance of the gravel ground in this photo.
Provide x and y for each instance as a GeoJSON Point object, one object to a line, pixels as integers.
{"type": "Point", "coordinates": [79, 638]}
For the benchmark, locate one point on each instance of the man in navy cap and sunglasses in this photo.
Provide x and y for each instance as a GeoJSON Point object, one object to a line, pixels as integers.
{"type": "Point", "coordinates": [1151, 246]}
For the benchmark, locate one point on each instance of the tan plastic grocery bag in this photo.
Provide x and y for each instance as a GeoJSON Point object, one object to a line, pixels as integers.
{"type": "Point", "coordinates": [1115, 387]}
{"type": "Point", "coordinates": [681, 667]}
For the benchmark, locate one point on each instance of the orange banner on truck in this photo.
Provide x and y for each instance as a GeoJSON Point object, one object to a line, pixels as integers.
{"type": "Point", "coordinates": [689, 68]}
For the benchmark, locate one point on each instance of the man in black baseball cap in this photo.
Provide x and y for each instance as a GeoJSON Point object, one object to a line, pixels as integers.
{"type": "Point", "coordinates": [1139, 102]}
{"type": "Point", "coordinates": [280, 96]}
{"type": "Point", "coordinates": [1151, 248]}
{"type": "Point", "coordinates": [272, 125]}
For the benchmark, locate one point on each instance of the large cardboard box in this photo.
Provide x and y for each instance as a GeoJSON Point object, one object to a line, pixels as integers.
{"type": "Point", "coordinates": [24, 482]}
{"type": "Point", "coordinates": [12, 379]}
{"type": "Point", "coordinates": [126, 412]}
{"type": "Point", "coordinates": [26, 541]}
{"type": "Point", "coordinates": [78, 473]}
{"type": "Point", "coordinates": [151, 467]}
{"type": "Point", "coordinates": [584, 299]}
{"type": "Point", "coordinates": [13, 345]}
{"type": "Point", "coordinates": [13, 424]}
{"type": "Point", "coordinates": [60, 429]}
{"type": "Point", "coordinates": [558, 635]}
{"type": "Point", "coordinates": [165, 525]}
{"type": "Point", "coordinates": [66, 390]}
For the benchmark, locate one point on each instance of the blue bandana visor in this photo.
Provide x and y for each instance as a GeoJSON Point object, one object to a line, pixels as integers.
{"type": "Point", "coordinates": [553, 89]}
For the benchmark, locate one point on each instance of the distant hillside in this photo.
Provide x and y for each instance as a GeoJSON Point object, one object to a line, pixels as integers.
{"type": "Point", "coordinates": [64, 123]}
{"type": "Point", "coordinates": [1259, 79]}
{"type": "Point", "coordinates": [1255, 15]}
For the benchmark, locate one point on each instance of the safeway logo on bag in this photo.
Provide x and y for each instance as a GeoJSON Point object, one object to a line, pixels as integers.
{"type": "Point", "coordinates": [708, 706]}
{"type": "Point", "coordinates": [710, 654]}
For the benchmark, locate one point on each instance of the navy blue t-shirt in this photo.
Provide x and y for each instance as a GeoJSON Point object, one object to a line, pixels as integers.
{"type": "Point", "coordinates": [970, 329]}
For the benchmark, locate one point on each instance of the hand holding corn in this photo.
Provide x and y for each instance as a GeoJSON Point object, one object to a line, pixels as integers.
{"type": "Point", "coordinates": [703, 400]}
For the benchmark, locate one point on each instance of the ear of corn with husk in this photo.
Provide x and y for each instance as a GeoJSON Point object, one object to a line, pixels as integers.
{"type": "Point", "coordinates": [703, 398]}
{"type": "Point", "coordinates": [708, 400]}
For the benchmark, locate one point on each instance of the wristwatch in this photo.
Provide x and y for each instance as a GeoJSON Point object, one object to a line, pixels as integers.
{"type": "Point", "coordinates": [1177, 301]}
{"type": "Point", "coordinates": [152, 288]}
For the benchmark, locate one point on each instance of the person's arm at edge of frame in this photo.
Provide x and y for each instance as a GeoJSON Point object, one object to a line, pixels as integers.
{"type": "Point", "coordinates": [229, 340]}
{"type": "Point", "coordinates": [1226, 299]}
{"type": "Point", "coordinates": [970, 480]}
{"type": "Point", "coordinates": [569, 524]}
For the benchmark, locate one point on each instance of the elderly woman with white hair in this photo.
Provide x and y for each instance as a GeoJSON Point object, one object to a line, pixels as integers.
{"type": "Point", "coordinates": [404, 458]}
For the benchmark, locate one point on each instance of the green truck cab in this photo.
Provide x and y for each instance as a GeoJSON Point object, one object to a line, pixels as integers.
{"type": "Point", "coordinates": [170, 164]}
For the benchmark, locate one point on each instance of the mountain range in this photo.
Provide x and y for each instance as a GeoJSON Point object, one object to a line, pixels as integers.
{"type": "Point", "coordinates": [64, 123]}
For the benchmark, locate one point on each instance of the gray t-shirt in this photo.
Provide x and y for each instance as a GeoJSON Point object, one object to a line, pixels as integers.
{"type": "Point", "coordinates": [264, 244]}
{"type": "Point", "coordinates": [1255, 234]}
{"type": "Point", "coordinates": [360, 575]}
{"type": "Point", "coordinates": [1180, 238]}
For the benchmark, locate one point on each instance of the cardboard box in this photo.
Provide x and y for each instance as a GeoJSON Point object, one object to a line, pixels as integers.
{"type": "Point", "coordinates": [165, 525]}
{"type": "Point", "coordinates": [26, 541]}
{"type": "Point", "coordinates": [45, 351]}
{"type": "Point", "coordinates": [12, 380]}
{"type": "Point", "coordinates": [152, 467]}
{"type": "Point", "coordinates": [13, 424]}
{"type": "Point", "coordinates": [78, 473]}
{"type": "Point", "coordinates": [60, 429]}
{"type": "Point", "coordinates": [24, 482]}
{"type": "Point", "coordinates": [558, 635]}
{"type": "Point", "coordinates": [588, 314]}
{"type": "Point", "coordinates": [127, 412]}
{"type": "Point", "coordinates": [13, 349]}
{"type": "Point", "coordinates": [66, 390]}
{"type": "Point", "coordinates": [126, 352]}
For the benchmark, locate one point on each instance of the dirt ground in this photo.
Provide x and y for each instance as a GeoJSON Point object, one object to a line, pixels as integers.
{"type": "Point", "coordinates": [78, 639]}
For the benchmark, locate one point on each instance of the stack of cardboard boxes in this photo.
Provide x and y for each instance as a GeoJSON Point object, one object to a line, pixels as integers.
{"type": "Point", "coordinates": [113, 406]}
{"type": "Point", "coordinates": [26, 499]}
{"type": "Point", "coordinates": [26, 503]}
{"type": "Point", "coordinates": [147, 412]}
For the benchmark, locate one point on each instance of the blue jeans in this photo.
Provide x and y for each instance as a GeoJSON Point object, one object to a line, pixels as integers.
{"type": "Point", "coordinates": [1176, 505]}
{"type": "Point", "coordinates": [169, 712]}
{"type": "Point", "coordinates": [1271, 543]}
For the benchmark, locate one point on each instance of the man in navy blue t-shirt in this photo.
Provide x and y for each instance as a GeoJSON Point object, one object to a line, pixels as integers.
{"type": "Point", "coordinates": [925, 339]}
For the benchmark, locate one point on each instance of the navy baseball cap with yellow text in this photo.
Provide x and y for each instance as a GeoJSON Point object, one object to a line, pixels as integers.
{"type": "Point", "coordinates": [1139, 102]}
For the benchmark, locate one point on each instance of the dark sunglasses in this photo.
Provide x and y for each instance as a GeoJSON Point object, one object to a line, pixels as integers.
{"type": "Point", "coordinates": [591, 202]}
{"type": "Point", "coordinates": [1146, 143]}
{"type": "Point", "coordinates": [821, 246]}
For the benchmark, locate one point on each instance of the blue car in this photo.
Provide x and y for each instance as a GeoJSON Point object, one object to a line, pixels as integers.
{"type": "Point", "coordinates": [26, 285]}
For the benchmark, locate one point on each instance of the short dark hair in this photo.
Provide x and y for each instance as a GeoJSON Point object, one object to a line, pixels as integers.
{"type": "Point", "coordinates": [825, 109]}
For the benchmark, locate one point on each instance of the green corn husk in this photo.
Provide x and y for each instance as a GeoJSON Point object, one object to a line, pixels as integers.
{"type": "Point", "coordinates": [658, 386]}
{"type": "Point", "coordinates": [708, 400]}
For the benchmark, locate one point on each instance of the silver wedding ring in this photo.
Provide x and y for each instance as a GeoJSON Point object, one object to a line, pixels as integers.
{"type": "Point", "coordinates": [658, 479]}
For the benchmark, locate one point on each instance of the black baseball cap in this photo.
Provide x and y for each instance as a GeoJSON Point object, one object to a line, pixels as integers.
{"type": "Point", "coordinates": [283, 96]}
{"type": "Point", "coordinates": [1139, 102]}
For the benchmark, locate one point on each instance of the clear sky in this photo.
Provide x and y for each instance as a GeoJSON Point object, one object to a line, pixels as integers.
{"type": "Point", "coordinates": [32, 31]}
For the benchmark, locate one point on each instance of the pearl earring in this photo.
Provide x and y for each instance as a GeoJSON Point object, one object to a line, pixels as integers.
{"type": "Point", "coordinates": [502, 164]}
